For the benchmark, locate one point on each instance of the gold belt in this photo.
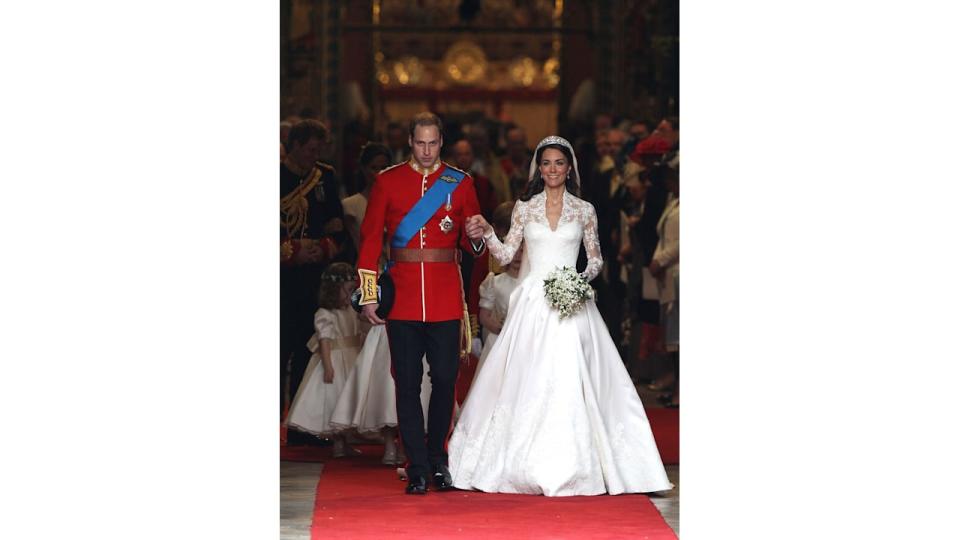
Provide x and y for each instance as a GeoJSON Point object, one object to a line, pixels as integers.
{"type": "Point", "coordinates": [352, 342]}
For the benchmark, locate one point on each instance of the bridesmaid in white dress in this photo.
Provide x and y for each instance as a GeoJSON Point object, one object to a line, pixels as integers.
{"type": "Point", "coordinates": [553, 411]}
{"type": "Point", "coordinates": [494, 303]}
{"type": "Point", "coordinates": [335, 345]}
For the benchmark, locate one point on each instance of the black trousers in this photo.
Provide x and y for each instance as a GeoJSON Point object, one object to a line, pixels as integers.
{"type": "Point", "coordinates": [409, 341]}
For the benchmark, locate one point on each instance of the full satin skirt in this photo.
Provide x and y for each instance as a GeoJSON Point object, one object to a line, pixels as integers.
{"type": "Point", "coordinates": [313, 406]}
{"type": "Point", "coordinates": [553, 411]}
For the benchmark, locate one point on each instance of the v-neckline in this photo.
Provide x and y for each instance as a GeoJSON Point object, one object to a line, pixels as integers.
{"type": "Point", "coordinates": [563, 203]}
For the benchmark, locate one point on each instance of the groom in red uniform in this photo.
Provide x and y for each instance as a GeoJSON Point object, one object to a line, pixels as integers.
{"type": "Point", "coordinates": [423, 206]}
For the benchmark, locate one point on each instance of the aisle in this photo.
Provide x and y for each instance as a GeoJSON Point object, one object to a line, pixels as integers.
{"type": "Point", "coordinates": [360, 498]}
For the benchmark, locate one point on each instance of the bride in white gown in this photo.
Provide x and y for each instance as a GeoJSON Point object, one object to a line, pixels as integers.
{"type": "Point", "coordinates": [553, 410]}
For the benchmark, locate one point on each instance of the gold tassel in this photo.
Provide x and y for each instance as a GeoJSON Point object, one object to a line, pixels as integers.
{"type": "Point", "coordinates": [466, 337]}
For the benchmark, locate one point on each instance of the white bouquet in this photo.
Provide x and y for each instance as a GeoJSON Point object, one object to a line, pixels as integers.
{"type": "Point", "coordinates": [566, 290]}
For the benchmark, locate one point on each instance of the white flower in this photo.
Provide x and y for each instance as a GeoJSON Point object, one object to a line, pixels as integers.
{"type": "Point", "coordinates": [566, 291]}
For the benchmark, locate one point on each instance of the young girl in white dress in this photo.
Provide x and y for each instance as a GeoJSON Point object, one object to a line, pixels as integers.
{"type": "Point", "coordinates": [335, 345]}
{"type": "Point", "coordinates": [553, 411]}
{"type": "Point", "coordinates": [496, 288]}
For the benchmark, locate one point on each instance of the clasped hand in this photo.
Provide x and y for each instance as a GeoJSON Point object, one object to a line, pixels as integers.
{"type": "Point", "coordinates": [476, 227]}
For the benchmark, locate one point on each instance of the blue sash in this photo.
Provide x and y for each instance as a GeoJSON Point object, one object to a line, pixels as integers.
{"type": "Point", "coordinates": [426, 207]}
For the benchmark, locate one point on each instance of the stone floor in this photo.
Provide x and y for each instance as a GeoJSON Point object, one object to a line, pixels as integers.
{"type": "Point", "coordinates": [298, 484]}
{"type": "Point", "coordinates": [669, 506]}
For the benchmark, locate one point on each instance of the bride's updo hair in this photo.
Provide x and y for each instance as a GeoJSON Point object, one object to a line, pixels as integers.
{"type": "Point", "coordinates": [535, 185]}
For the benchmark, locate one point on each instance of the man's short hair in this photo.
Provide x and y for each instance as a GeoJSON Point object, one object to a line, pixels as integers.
{"type": "Point", "coordinates": [305, 130]}
{"type": "Point", "coordinates": [426, 119]}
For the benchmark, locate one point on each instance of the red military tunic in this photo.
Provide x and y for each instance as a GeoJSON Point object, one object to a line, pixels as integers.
{"type": "Point", "coordinates": [425, 291]}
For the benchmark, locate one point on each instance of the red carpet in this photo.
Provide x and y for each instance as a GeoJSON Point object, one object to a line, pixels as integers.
{"type": "Point", "coordinates": [665, 424]}
{"type": "Point", "coordinates": [308, 454]}
{"type": "Point", "coordinates": [359, 498]}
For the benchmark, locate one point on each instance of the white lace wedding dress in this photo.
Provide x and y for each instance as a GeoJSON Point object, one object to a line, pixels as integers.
{"type": "Point", "coordinates": [553, 410]}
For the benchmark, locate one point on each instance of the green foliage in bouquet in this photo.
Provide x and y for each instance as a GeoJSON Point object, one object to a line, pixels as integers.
{"type": "Point", "coordinates": [566, 291]}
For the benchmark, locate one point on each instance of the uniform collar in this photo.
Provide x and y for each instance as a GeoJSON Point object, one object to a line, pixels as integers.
{"type": "Point", "coordinates": [426, 172]}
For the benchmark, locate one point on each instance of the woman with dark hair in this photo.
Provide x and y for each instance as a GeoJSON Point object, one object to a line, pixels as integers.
{"type": "Point", "coordinates": [536, 184]}
{"type": "Point", "coordinates": [374, 157]}
{"type": "Point", "coordinates": [553, 411]}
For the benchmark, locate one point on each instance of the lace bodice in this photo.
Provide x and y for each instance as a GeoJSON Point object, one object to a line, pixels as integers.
{"type": "Point", "coordinates": [546, 248]}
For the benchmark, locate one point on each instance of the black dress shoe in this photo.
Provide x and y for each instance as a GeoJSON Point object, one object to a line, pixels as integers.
{"type": "Point", "coordinates": [417, 486]}
{"type": "Point", "coordinates": [441, 478]}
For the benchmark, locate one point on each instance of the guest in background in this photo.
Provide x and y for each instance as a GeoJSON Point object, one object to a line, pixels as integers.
{"type": "Point", "coordinates": [516, 162]}
{"type": "Point", "coordinates": [669, 129]}
{"type": "Point", "coordinates": [311, 236]}
{"type": "Point", "coordinates": [397, 142]}
{"type": "Point", "coordinates": [666, 268]}
{"type": "Point", "coordinates": [486, 164]}
{"type": "Point", "coordinates": [463, 159]}
{"type": "Point", "coordinates": [649, 155]}
{"type": "Point", "coordinates": [639, 130]}
{"type": "Point", "coordinates": [374, 157]}
{"type": "Point", "coordinates": [643, 295]}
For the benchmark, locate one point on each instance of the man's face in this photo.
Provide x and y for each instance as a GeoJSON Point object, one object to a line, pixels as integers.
{"type": "Point", "coordinates": [305, 155]}
{"type": "Point", "coordinates": [639, 131]}
{"type": "Point", "coordinates": [463, 155]}
{"type": "Point", "coordinates": [426, 144]}
{"type": "Point", "coordinates": [603, 144]}
{"type": "Point", "coordinates": [602, 121]}
{"type": "Point", "coordinates": [616, 140]}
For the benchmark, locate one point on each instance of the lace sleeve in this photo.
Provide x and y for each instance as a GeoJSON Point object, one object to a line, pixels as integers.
{"type": "Point", "coordinates": [591, 244]}
{"type": "Point", "coordinates": [505, 251]}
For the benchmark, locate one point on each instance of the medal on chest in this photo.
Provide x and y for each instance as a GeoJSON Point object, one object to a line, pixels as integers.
{"type": "Point", "coordinates": [446, 224]}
